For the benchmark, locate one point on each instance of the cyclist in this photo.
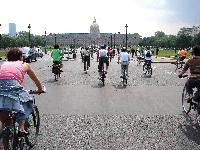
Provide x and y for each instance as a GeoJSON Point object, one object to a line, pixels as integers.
{"type": "Point", "coordinates": [57, 55]}
{"type": "Point", "coordinates": [124, 58]}
{"type": "Point", "coordinates": [102, 56]}
{"type": "Point", "coordinates": [13, 97]}
{"type": "Point", "coordinates": [194, 65]}
{"type": "Point", "coordinates": [147, 57]}
{"type": "Point", "coordinates": [182, 54]}
{"type": "Point", "coordinates": [138, 55]}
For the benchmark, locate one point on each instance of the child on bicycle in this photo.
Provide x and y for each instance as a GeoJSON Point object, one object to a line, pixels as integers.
{"type": "Point", "coordinates": [194, 65]}
{"type": "Point", "coordinates": [13, 97]}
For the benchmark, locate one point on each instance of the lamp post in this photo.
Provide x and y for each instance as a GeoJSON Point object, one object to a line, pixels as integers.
{"type": "Point", "coordinates": [126, 35]}
{"type": "Point", "coordinates": [111, 41]}
{"type": "Point", "coordinates": [114, 40]}
{"type": "Point", "coordinates": [29, 35]}
{"type": "Point", "coordinates": [55, 38]}
{"type": "Point", "coordinates": [45, 34]}
{"type": "Point", "coordinates": [119, 38]}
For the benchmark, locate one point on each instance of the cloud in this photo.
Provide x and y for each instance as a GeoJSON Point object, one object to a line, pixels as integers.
{"type": "Point", "coordinates": [155, 3]}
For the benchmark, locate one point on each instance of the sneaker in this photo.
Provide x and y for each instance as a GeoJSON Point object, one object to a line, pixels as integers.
{"type": "Point", "coordinates": [61, 70]}
{"type": "Point", "coordinates": [121, 76]}
{"type": "Point", "coordinates": [106, 72]}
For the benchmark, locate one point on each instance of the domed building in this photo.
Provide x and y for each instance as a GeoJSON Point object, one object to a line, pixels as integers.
{"type": "Point", "coordinates": [94, 32]}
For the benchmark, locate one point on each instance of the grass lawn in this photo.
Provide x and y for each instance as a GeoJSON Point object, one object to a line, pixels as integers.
{"type": "Point", "coordinates": [2, 53]}
{"type": "Point", "coordinates": [167, 53]}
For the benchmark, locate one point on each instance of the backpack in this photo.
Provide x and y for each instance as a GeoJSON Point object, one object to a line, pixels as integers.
{"type": "Point", "coordinates": [148, 54]}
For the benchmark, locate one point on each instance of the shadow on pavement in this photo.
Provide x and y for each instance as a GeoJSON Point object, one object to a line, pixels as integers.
{"type": "Point", "coordinates": [119, 86]}
{"type": "Point", "coordinates": [99, 85]}
{"type": "Point", "coordinates": [190, 128]}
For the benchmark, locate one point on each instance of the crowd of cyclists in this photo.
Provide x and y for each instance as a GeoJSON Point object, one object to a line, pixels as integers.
{"type": "Point", "coordinates": [13, 97]}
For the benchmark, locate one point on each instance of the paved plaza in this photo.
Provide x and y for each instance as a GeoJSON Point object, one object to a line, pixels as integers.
{"type": "Point", "coordinates": [78, 113]}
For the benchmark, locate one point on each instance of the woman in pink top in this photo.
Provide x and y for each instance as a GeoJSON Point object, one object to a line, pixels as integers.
{"type": "Point", "coordinates": [13, 97]}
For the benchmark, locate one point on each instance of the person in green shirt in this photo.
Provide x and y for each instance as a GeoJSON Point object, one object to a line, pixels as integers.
{"type": "Point", "coordinates": [56, 54]}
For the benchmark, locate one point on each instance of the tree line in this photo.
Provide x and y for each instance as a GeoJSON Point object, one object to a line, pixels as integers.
{"type": "Point", "coordinates": [22, 39]}
{"type": "Point", "coordinates": [160, 39]}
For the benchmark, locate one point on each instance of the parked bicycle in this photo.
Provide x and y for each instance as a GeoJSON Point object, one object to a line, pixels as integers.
{"type": "Point", "coordinates": [147, 69]}
{"type": "Point", "coordinates": [9, 137]}
{"type": "Point", "coordinates": [191, 104]}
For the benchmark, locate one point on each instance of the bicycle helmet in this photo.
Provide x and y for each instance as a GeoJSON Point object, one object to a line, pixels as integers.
{"type": "Point", "coordinates": [123, 49]}
{"type": "Point", "coordinates": [102, 46]}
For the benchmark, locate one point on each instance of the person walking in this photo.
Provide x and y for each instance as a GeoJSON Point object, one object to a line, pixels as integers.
{"type": "Point", "coordinates": [86, 58]}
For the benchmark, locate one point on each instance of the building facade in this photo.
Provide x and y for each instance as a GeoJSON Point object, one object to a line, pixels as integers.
{"type": "Point", "coordinates": [12, 29]}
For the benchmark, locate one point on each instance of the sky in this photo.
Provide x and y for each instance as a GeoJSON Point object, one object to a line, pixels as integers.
{"type": "Point", "coordinates": [75, 16]}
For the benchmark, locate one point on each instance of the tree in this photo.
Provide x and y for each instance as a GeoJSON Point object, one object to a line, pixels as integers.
{"type": "Point", "coordinates": [196, 39]}
{"type": "Point", "coordinates": [184, 41]}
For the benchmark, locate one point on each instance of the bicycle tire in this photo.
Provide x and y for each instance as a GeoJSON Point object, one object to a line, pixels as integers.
{"type": "Point", "coordinates": [185, 105]}
{"type": "Point", "coordinates": [179, 65]}
{"type": "Point", "coordinates": [8, 141]}
{"type": "Point", "coordinates": [103, 79]}
{"type": "Point", "coordinates": [32, 125]}
{"type": "Point", "coordinates": [56, 77]}
{"type": "Point", "coordinates": [150, 72]}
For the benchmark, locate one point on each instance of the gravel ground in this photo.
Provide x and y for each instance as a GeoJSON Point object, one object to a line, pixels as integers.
{"type": "Point", "coordinates": [129, 132]}
{"type": "Point", "coordinates": [114, 131]}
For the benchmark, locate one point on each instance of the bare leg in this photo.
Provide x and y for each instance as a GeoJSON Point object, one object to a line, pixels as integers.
{"type": "Point", "coordinates": [21, 126]}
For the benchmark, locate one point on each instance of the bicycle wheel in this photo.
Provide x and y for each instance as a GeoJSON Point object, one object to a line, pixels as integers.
{"type": "Point", "coordinates": [103, 78]}
{"type": "Point", "coordinates": [32, 126]}
{"type": "Point", "coordinates": [185, 104]}
{"type": "Point", "coordinates": [150, 71]}
{"type": "Point", "coordinates": [7, 139]}
{"type": "Point", "coordinates": [56, 77]}
{"type": "Point", "coordinates": [179, 65]}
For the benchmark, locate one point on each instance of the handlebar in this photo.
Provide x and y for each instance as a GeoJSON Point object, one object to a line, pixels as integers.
{"type": "Point", "coordinates": [183, 76]}
{"type": "Point", "coordinates": [35, 92]}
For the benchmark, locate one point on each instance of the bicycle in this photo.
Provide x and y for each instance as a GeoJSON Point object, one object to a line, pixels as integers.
{"type": "Point", "coordinates": [103, 75]}
{"type": "Point", "coordinates": [147, 69]}
{"type": "Point", "coordinates": [139, 60]}
{"type": "Point", "coordinates": [9, 129]}
{"type": "Point", "coordinates": [124, 75]}
{"type": "Point", "coordinates": [56, 71]}
{"type": "Point", "coordinates": [178, 63]}
{"type": "Point", "coordinates": [194, 104]}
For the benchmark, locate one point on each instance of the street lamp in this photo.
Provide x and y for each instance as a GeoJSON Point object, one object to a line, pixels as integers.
{"type": "Point", "coordinates": [29, 35]}
{"type": "Point", "coordinates": [45, 34]}
{"type": "Point", "coordinates": [114, 40]}
{"type": "Point", "coordinates": [119, 38]}
{"type": "Point", "coordinates": [55, 38]}
{"type": "Point", "coordinates": [111, 41]}
{"type": "Point", "coordinates": [126, 35]}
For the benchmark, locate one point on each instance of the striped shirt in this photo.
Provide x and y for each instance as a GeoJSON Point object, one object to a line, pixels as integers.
{"type": "Point", "coordinates": [194, 65]}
